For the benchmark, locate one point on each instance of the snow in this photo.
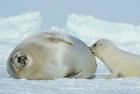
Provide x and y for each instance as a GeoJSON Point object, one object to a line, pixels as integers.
{"type": "Point", "coordinates": [89, 29]}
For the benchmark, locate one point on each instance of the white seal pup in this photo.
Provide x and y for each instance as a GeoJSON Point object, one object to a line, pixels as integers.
{"type": "Point", "coordinates": [51, 55]}
{"type": "Point", "coordinates": [120, 63]}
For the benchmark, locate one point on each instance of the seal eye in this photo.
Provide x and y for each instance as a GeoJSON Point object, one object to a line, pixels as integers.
{"type": "Point", "coordinates": [11, 59]}
{"type": "Point", "coordinates": [16, 56]}
{"type": "Point", "coordinates": [94, 45]}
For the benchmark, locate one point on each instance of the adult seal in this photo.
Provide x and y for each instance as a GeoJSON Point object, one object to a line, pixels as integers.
{"type": "Point", "coordinates": [119, 62]}
{"type": "Point", "coordinates": [51, 55]}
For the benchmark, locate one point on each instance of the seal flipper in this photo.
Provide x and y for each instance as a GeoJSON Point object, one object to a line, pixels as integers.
{"type": "Point", "coordinates": [112, 76]}
{"type": "Point", "coordinates": [71, 75]}
{"type": "Point", "coordinates": [58, 37]}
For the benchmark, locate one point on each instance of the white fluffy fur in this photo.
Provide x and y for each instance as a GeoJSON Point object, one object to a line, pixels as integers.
{"type": "Point", "coordinates": [119, 62]}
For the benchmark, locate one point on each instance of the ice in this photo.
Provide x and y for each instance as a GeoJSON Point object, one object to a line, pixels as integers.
{"type": "Point", "coordinates": [88, 28]}
{"type": "Point", "coordinates": [17, 27]}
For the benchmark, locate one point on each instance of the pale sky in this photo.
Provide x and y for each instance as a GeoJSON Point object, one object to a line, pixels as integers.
{"type": "Point", "coordinates": [55, 12]}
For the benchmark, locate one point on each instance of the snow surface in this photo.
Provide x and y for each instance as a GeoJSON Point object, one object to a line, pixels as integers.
{"type": "Point", "coordinates": [87, 28]}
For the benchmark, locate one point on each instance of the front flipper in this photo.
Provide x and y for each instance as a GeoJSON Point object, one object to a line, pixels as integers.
{"type": "Point", "coordinates": [72, 75]}
{"type": "Point", "coordinates": [79, 76]}
{"type": "Point", "coordinates": [57, 40]}
{"type": "Point", "coordinates": [55, 37]}
{"type": "Point", "coordinates": [83, 75]}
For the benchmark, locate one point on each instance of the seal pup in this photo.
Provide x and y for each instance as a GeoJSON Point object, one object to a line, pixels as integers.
{"type": "Point", "coordinates": [120, 63]}
{"type": "Point", "coordinates": [51, 55]}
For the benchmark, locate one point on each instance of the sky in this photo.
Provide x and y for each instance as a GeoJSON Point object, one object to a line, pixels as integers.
{"type": "Point", "coordinates": [55, 12]}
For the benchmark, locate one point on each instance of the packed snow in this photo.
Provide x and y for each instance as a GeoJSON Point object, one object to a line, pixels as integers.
{"type": "Point", "coordinates": [89, 29]}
